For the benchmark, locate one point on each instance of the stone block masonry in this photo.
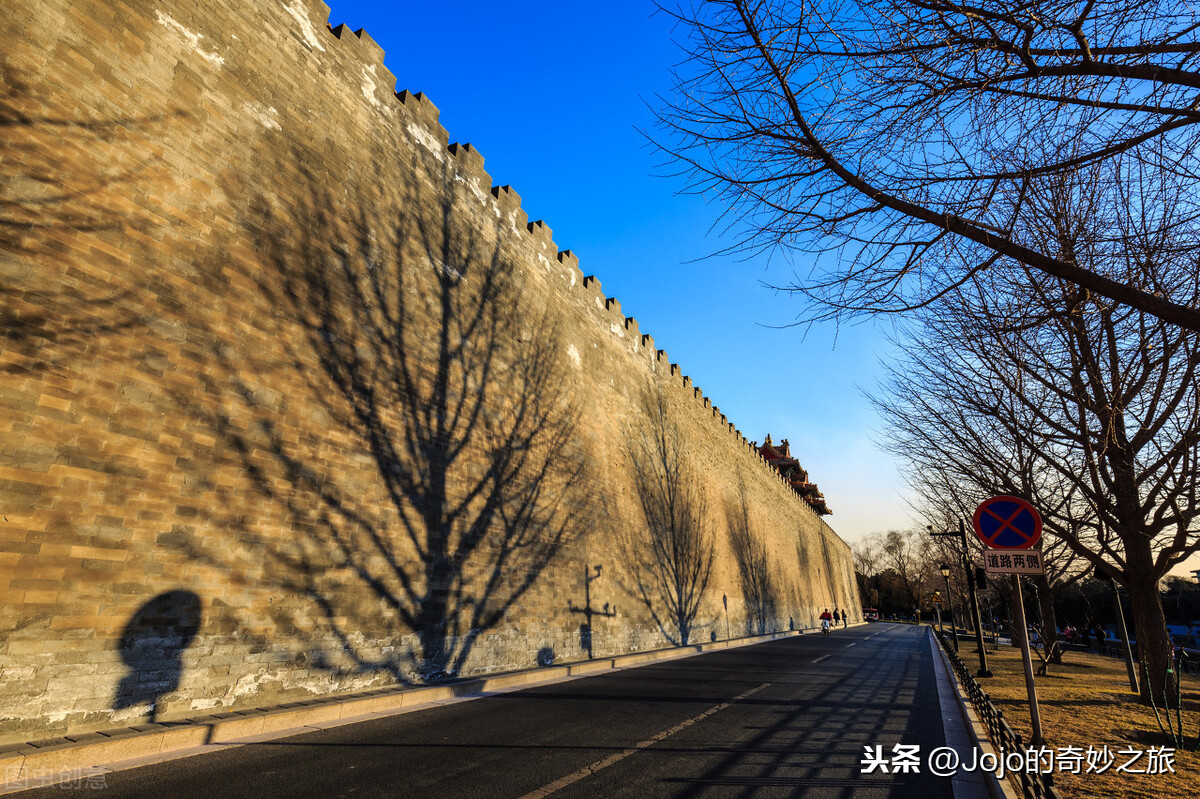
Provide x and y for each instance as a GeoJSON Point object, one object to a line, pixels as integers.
{"type": "Point", "coordinates": [294, 401]}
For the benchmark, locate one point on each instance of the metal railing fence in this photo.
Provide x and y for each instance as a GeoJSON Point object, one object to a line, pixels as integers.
{"type": "Point", "coordinates": [1035, 785]}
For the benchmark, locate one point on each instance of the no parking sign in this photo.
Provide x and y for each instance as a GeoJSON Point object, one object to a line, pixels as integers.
{"type": "Point", "coordinates": [1007, 523]}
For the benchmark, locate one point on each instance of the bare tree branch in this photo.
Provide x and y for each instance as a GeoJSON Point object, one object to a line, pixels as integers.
{"type": "Point", "coordinates": [864, 130]}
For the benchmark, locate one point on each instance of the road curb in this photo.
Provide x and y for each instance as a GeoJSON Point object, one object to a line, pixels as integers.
{"type": "Point", "coordinates": [74, 757]}
{"type": "Point", "coordinates": [965, 788]}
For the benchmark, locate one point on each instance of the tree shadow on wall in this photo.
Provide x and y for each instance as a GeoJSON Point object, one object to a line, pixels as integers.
{"type": "Point", "coordinates": [46, 328]}
{"type": "Point", "coordinates": [152, 646]}
{"type": "Point", "coordinates": [671, 557]}
{"type": "Point", "coordinates": [754, 566]}
{"type": "Point", "coordinates": [65, 181]}
{"type": "Point", "coordinates": [447, 477]}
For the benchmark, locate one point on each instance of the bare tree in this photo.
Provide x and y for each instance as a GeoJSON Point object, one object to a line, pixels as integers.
{"type": "Point", "coordinates": [866, 554]}
{"type": "Point", "coordinates": [672, 556]}
{"type": "Point", "coordinates": [907, 554]}
{"type": "Point", "coordinates": [909, 136]}
{"type": "Point", "coordinates": [1092, 413]}
{"type": "Point", "coordinates": [867, 557]}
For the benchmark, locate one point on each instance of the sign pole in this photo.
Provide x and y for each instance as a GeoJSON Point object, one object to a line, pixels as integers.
{"type": "Point", "coordinates": [966, 561]}
{"type": "Point", "coordinates": [1019, 619]}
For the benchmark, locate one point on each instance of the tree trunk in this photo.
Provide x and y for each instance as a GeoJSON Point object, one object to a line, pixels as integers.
{"type": "Point", "coordinates": [1154, 647]}
{"type": "Point", "coordinates": [1045, 596]}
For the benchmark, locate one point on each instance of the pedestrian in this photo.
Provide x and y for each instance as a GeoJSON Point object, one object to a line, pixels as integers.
{"type": "Point", "coordinates": [837, 616]}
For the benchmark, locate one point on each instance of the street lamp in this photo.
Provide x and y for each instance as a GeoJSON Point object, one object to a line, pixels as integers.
{"type": "Point", "coordinates": [945, 570]}
{"type": "Point", "coordinates": [963, 555]}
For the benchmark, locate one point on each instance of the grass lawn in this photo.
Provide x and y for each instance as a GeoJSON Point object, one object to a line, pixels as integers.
{"type": "Point", "coordinates": [1084, 702]}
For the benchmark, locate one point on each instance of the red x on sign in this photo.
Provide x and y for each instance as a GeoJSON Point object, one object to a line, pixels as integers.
{"type": "Point", "coordinates": [1007, 523]}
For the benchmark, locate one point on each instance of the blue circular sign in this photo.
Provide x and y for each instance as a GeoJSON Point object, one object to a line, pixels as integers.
{"type": "Point", "coordinates": [1007, 523]}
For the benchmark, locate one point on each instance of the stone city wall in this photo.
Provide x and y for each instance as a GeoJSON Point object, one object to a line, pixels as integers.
{"type": "Point", "coordinates": [294, 401]}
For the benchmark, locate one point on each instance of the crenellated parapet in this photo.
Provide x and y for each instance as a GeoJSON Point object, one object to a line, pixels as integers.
{"type": "Point", "coordinates": [423, 112]}
{"type": "Point", "coordinates": [469, 163]}
{"type": "Point", "coordinates": [570, 262]}
{"type": "Point", "coordinates": [542, 234]}
{"type": "Point", "coordinates": [509, 204]}
{"type": "Point", "coordinates": [364, 47]}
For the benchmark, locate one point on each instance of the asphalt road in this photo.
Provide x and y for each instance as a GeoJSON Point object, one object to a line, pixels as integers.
{"type": "Point", "coordinates": [785, 718]}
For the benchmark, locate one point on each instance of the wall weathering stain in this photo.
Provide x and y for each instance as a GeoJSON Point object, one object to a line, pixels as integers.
{"type": "Point", "coordinates": [295, 402]}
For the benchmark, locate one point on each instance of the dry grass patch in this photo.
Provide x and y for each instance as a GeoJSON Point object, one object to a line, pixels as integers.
{"type": "Point", "coordinates": [1086, 701]}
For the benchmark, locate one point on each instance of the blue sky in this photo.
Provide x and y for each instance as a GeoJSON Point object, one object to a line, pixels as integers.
{"type": "Point", "coordinates": [553, 94]}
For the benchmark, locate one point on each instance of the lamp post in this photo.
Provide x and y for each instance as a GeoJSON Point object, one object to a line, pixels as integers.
{"type": "Point", "coordinates": [945, 570]}
{"type": "Point", "coordinates": [963, 556]}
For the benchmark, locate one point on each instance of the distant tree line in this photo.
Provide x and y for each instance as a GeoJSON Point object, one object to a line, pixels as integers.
{"type": "Point", "coordinates": [898, 574]}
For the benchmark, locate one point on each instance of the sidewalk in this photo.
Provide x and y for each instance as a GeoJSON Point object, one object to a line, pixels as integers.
{"type": "Point", "coordinates": [964, 733]}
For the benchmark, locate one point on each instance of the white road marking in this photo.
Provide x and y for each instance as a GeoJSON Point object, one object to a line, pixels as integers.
{"type": "Point", "coordinates": [588, 771]}
{"type": "Point", "coordinates": [818, 660]}
{"type": "Point", "coordinates": [850, 645]}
